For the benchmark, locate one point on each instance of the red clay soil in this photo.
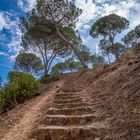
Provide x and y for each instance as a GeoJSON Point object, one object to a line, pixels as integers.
{"type": "Point", "coordinates": [113, 92]}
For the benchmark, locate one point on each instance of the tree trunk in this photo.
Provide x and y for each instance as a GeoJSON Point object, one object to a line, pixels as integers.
{"type": "Point", "coordinates": [50, 62]}
{"type": "Point", "coordinates": [108, 58]}
{"type": "Point", "coordinates": [117, 55]}
{"type": "Point", "coordinates": [46, 69]}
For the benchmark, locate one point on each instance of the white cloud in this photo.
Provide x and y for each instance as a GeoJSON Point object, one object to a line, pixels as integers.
{"type": "Point", "coordinates": [98, 8]}
{"type": "Point", "coordinates": [94, 9]}
{"type": "Point", "coordinates": [5, 21]}
{"type": "Point", "coordinates": [14, 45]}
{"type": "Point", "coordinates": [88, 13]}
{"type": "Point", "coordinates": [3, 54]}
{"type": "Point", "coordinates": [26, 5]}
{"type": "Point", "coordinates": [9, 21]}
{"type": "Point", "coordinates": [2, 21]}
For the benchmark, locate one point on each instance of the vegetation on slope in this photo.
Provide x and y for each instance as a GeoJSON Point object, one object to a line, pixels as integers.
{"type": "Point", "coordinates": [17, 91]}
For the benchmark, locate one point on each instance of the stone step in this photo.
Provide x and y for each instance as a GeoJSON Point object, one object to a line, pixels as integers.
{"type": "Point", "coordinates": [62, 120]}
{"type": "Point", "coordinates": [65, 97]}
{"type": "Point", "coordinates": [70, 133]}
{"type": "Point", "coordinates": [64, 101]}
{"type": "Point", "coordinates": [68, 95]}
{"type": "Point", "coordinates": [70, 111]}
{"type": "Point", "coordinates": [95, 103]}
{"type": "Point", "coordinates": [72, 89]}
{"type": "Point", "coordinates": [70, 105]}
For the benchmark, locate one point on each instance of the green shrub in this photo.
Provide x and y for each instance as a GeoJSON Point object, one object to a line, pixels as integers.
{"type": "Point", "coordinates": [97, 66]}
{"type": "Point", "coordinates": [48, 79]}
{"type": "Point", "coordinates": [5, 101]}
{"type": "Point", "coordinates": [137, 46]}
{"type": "Point", "coordinates": [17, 91]}
{"type": "Point", "coordinates": [12, 75]}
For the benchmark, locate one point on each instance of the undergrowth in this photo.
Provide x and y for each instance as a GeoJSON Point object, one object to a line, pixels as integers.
{"type": "Point", "coordinates": [17, 91]}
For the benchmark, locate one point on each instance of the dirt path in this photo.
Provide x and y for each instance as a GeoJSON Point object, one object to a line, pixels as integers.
{"type": "Point", "coordinates": [22, 121]}
{"type": "Point", "coordinates": [113, 93]}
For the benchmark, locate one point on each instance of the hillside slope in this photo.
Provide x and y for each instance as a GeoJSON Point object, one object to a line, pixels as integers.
{"type": "Point", "coordinates": [99, 105]}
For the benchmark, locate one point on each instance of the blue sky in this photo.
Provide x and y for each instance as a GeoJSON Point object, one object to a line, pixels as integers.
{"type": "Point", "coordinates": [12, 10]}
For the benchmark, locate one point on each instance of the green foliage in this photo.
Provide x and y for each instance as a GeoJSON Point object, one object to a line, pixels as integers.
{"type": "Point", "coordinates": [49, 24]}
{"type": "Point", "coordinates": [47, 49]}
{"type": "Point", "coordinates": [130, 52]}
{"type": "Point", "coordinates": [70, 33]}
{"type": "Point", "coordinates": [1, 82]}
{"type": "Point", "coordinates": [117, 49]}
{"type": "Point", "coordinates": [131, 39]}
{"type": "Point", "coordinates": [78, 66]}
{"type": "Point", "coordinates": [17, 91]}
{"type": "Point", "coordinates": [97, 66]}
{"type": "Point", "coordinates": [88, 58]}
{"type": "Point", "coordinates": [108, 27]}
{"type": "Point", "coordinates": [97, 60]}
{"type": "Point", "coordinates": [136, 47]}
{"type": "Point", "coordinates": [69, 65]}
{"type": "Point", "coordinates": [13, 75]}
{"type": "Point", "coordinates": [28, 63]}
{"type": "Point", "coordinates": [59, 68]}
{"type": "Point", "coordinates": [85, 53]}
{"type": "Point", "coordinates": [49, 78]}
{"type": "Point", "coordinates": [72, 65]}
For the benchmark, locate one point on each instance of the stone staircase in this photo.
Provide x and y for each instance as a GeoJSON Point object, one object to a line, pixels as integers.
{"type": "Point", "coordinates": [71, 117]}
